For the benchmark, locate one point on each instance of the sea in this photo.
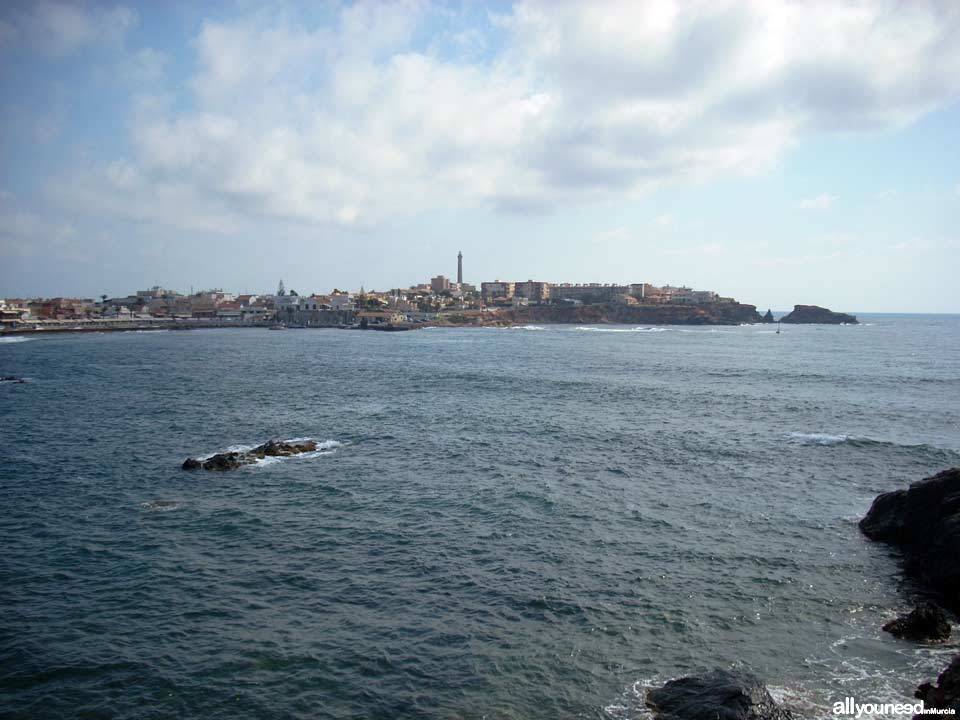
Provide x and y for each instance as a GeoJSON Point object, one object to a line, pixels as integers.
{"type": "Point", "coordinates": [528, 522]}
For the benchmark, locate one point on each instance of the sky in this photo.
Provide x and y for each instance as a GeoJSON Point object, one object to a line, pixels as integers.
{"type": "Point", "coordinates": [778, 152]}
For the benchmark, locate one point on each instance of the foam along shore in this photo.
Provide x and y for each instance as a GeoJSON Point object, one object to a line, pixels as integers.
{"type": "Point", "coordinates": [234, 459]}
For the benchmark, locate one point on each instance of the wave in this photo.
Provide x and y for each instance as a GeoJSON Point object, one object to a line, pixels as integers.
{"type": "Point", "coordinates": [161, 505]}
{"type": "Point", "coordinates": [582, 328]}
{"type": "Point", "coordinates": [15, 339]}
{"type": "Point", "coordinates": [513, 327]}
{"type": "Point", "coordinates": [818, 438]}
{"type": "Point", "coordinates": [827, 439]}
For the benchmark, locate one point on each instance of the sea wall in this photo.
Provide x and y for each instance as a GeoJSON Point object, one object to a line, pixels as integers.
{"type": "Point", "coordinates": [317, 318]}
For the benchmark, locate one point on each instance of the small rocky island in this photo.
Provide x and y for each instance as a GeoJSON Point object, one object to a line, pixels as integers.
{"type": "Point", "coordinates": [816, 315]}
{"type": "Point", "coordinates": [234, 460]}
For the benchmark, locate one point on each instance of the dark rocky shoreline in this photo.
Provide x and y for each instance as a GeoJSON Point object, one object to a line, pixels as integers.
{"type": "Point", "coordinates": [923, 521]}
{"type": "Point", "coordinates": [729, 313]}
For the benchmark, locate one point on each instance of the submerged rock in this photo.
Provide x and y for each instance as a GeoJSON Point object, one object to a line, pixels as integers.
{"type": "Point", "coordinates": [946, 693]}
{"type": "Point", "coordinates": [815, 315]}
{"type": "Point", "coordinates": [717, 695]}
{"type": "Point", "coordinates": [13, 379]}
{"type": "Point", "coordinates": [233, 460]}
{"type": "Point", "coordinates": [924, 521]}
{"type": "Point", "coordinates": [924, 622]}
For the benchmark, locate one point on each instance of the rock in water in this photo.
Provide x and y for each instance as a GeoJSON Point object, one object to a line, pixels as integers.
{"type": "Point", "coordinates": [924, 622]}
{"type": "Point", "coordinates": [945, 694]}
{"type": "Point", "coordinates": [768, 318]}
{"type": "Point", "coordinates": [924, 521]}
{"type": "Point", "coordinates": [233, 460]}
{"type": "Point", "coordinates": [226, 461]}
{"type": "Point", "coordinates": [815, 315]}
{"type": "Point", "coordinates": [275, 448]}
{"type": "Point", "coordinates": [717, 695]}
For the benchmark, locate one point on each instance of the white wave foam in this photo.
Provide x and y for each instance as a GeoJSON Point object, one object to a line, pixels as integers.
{"type": "Point", "coordinates": [526, 327]}
{"type": "Point", "coordinates": [581, 328]}
{"type": "Point", "coordinates": [818, 438]}
{"type": "Point", "coordinates": [14, 339]}
{"type": "Point", "coordinates": [161, 505]}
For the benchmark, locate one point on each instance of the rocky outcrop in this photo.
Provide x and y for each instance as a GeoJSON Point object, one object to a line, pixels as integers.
{"type": "Point", "coordinates": [768, 318]}
{"type": "Point", "coordinates": [728, 313]}
{"type": "Point", "coordinates": [234, 460]}
{"type": "Point", "coordinates": [721, 694]}
{"type": "Point", "coordinates": [945, 694]}
{"type": "Point", "coordinates": [815, 315]}
{"type": "Point", "coordinates": [925, 622]}
{"type": "Point", "coordinates": [924, 522]}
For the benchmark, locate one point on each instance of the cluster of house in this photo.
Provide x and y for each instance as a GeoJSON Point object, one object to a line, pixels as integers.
{"type": "Point", "coordinates": [417, 303]}
{"type": "Point", "coordinates": [424, 301]}
{"type": "Point", "coordinates": [499, 293]}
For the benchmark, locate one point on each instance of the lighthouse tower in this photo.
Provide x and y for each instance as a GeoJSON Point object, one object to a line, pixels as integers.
{"type": "Point", "coordinates": [459, 268]}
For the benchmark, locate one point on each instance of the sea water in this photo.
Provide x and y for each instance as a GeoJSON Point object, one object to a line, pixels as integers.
{"type": "Point", "coordinates": [534, 522]}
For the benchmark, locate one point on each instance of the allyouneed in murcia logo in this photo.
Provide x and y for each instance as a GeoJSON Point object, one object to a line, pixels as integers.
{"type": "Point", "coordinates": [849, 706]}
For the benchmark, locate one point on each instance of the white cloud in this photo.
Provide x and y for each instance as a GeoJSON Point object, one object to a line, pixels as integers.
{"type": "Point", "coordinates": [351, 124]}
{"type": "Point", "coordinates": [706, 250]}
{"type": "Point", "coordinates": [144, 66]}
{"type": "Point", "coordinates": [807, 259]}
{"type": "Point", "coordinates": [837, 239]}
{"type": "Point", "coordinates": [918, 245]}
{"type": "Point", "coordinates": [24, 232]}
{"type": "Point", "coordinates": [665, 222]}
{"type": "Point", "coordinates": [58, 29]}
{"type": "Point", "coordinates": [614, 235]}
{"type": "Point", "coordinates": [819, 202]}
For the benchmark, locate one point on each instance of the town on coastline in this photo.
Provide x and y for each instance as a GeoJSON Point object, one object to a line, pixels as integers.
{"type": "Point", "coordinates": [441, 301]}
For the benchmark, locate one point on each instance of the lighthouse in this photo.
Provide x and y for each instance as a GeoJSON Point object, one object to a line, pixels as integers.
{"type": "Point", "coordinates": [459, 268]}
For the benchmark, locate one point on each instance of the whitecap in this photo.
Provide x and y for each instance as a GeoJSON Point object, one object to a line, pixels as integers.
{"type": "Point", "coordinates": [582, 328]}
{"type": "Point", "coordinates": [819, 438]}
{"type": "Point", "coordinates": [161, 505]}
{"type": "Point", "coordinates": [14, 339]}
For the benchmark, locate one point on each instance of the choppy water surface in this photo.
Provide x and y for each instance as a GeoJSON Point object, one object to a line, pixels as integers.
{"type": "Point", "coordinates": [518, 523]}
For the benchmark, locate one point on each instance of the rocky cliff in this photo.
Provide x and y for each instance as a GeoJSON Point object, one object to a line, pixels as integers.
{"type": "Point", "coordinates": [815, 315]}
{"type": "Point", "coordinates": [705, 314]}
{"type": "Point", "coordinates": [924, 522]}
